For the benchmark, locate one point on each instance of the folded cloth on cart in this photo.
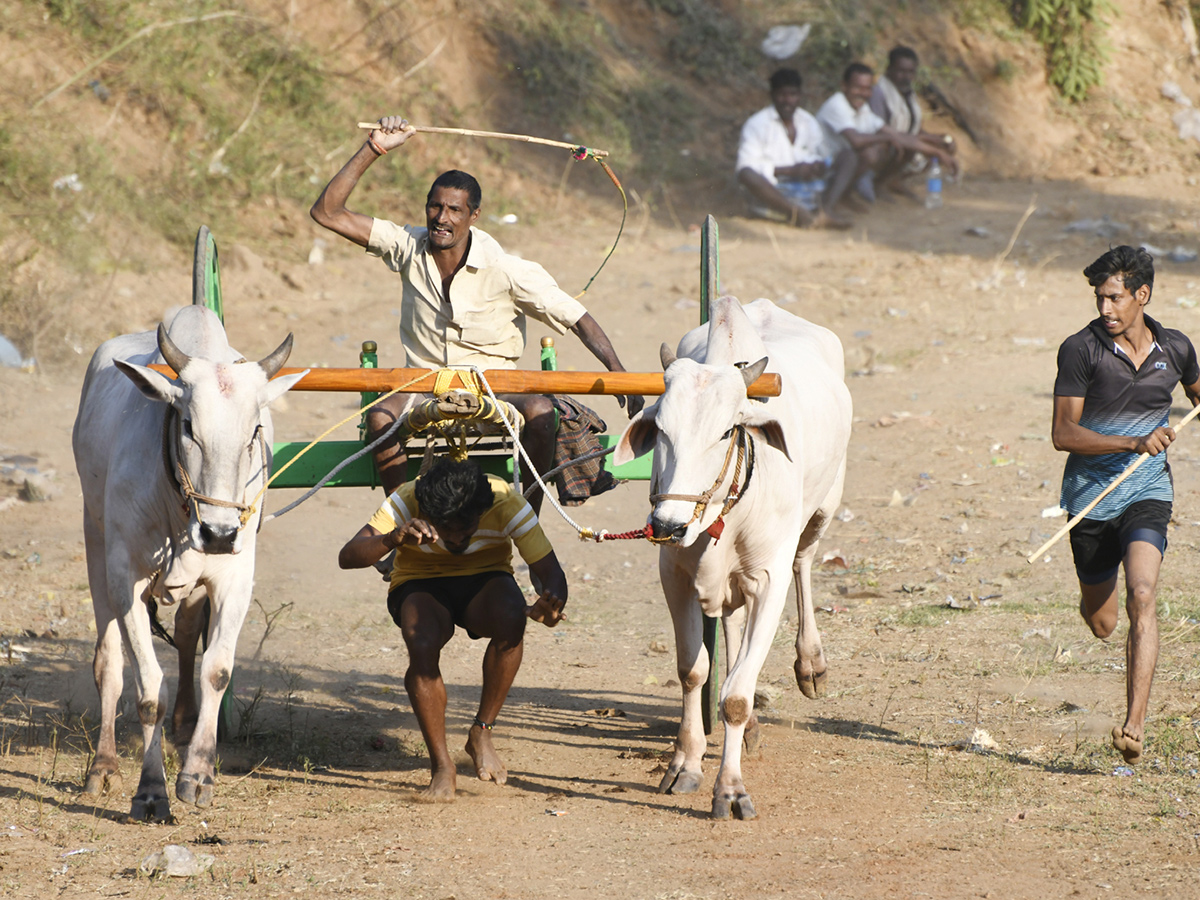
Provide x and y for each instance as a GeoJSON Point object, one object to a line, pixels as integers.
{"type": "Point", "coordinates": [578, 427]}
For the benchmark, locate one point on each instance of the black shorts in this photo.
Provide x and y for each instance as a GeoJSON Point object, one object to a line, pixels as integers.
{"type": "Point", "coordinates": [455, 592]}
{"type": "Point", "coordinates": [1099, 546]}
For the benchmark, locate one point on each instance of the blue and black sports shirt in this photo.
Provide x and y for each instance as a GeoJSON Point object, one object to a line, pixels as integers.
{"type": "Point", "coordinates": [1120, 400]}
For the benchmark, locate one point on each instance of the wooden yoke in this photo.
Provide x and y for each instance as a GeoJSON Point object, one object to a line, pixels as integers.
{"type": "Point", "coordinates": [502, 381]}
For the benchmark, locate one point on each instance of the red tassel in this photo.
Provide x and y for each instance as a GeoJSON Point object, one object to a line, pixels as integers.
{"type": "Point", "coordinates": [716, 529]}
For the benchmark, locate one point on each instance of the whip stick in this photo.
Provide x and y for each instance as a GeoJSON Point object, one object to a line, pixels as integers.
{"type": "Point", "coordinates": [467, 132]}
{"type": "Point", "coordinates": [1129, 470]}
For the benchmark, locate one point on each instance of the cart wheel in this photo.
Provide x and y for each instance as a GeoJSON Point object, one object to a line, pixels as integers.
{"type": "Point", "coordinates": [206, 274]}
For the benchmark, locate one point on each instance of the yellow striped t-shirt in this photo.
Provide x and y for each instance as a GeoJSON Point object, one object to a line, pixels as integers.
{"type": "Point", "coordinates": [510, 519]}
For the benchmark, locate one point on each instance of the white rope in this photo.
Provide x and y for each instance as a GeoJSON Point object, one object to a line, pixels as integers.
{"type": "Point", "coordinates": [584, 533]}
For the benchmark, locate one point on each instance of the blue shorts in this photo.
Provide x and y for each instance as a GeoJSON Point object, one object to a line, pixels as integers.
{"type": "Point", "coordinates": [1099, 546]}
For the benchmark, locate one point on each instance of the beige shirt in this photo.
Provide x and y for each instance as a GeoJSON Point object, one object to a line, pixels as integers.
{"type": "Point", "coordinates": [482, 323]}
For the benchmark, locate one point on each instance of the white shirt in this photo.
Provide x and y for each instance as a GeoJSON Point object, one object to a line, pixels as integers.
{"type": "Point", "coordinates": [764, 144]}
{"type": "Point", "coordinates": [836, 115]}
{"type": "Point", "coordinates": [482, 323]}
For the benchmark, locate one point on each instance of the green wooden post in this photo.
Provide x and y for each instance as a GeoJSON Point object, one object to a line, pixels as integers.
{"type": "Point", "coordinates": [710, 280]}
{"type": "Point", "coordinates": [368, 358]}
{"type": "Point", "coordinates": [206, 274]}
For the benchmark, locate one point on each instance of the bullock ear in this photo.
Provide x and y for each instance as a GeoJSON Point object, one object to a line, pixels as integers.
{"type": "Point", "coordinates": [770, 431]}
{"type": "Point", "coordinates": [277, 387]}
{"type": "Point", "coordinates": [639, 437]}
{"type": "Point", "coordinates": [153, 384]}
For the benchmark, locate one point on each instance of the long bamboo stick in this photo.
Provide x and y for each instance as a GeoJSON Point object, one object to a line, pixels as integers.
{"type": "Point", "coordinates": [1129, 470]}
{"type": "Point", "coordinates": [467, 132]}
{"type": "Point", "coordinates": [503, 381]}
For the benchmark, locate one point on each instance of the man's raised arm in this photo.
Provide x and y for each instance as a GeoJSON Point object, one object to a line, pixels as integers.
{"type": "Point", "coordinates": [330, 209]}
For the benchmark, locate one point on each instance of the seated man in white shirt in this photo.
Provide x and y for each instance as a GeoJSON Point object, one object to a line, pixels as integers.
{"type": "Point", "coordinates": [894, 100]}
{"type": "Point", "coordinates": [482, 321]}
{"type": "Point", "coordinates": [782, 162]}
{"type": "Point", "coordinates": [849, 121]}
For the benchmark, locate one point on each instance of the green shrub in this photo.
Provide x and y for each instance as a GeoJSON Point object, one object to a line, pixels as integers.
{"type": "Point", "coordinates": [1072, 32]}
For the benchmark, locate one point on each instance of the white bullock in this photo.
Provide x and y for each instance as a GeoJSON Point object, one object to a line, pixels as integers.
{"type": "Point", "coordinates": [169, 469]}
{"type": "Point", "coordinates": [742, 490]}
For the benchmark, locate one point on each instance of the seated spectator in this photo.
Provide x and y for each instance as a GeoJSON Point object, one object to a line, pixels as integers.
{"type": "Point", "coordinates": [849, 122]}
{"type": "Point", "coordinates": [781, 159]}
{"type": "Point", "coordinates": [895, 101]}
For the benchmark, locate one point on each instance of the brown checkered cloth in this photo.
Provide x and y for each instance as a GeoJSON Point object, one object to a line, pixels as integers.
{"type": "Point", "coordinates": [577, 430]}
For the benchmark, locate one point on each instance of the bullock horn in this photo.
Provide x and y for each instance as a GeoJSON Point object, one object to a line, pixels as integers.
{"type": "Point", "coordinates": [175, 357]}
{"type": "Point", "coordinates": [274, 361]}
{"type": "Point", "coordinates": [752, 371]}
{"type": "Point", "coordinates": [666, 355]}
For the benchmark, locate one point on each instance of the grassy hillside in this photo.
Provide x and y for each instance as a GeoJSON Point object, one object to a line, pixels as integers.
{"type": "Point", "coordinates": [124, 125]}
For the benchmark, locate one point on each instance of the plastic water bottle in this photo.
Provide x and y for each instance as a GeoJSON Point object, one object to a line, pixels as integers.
{"type": "Point", "coordinates": [933, 186]}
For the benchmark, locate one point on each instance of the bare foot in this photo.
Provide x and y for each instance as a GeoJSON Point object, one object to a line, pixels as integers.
{"type": "Point", "coordinates": [441, 787]}
{"type": "Point", "coordinates": [1130, 746]}
{"type": "Point", "coordinates": [826, 220]}
{"type": "Point", "coordinates": [487, 764]}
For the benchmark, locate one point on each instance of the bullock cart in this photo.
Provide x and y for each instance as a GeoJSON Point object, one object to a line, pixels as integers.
{"type": "Point", "coordinates": [343, 463]}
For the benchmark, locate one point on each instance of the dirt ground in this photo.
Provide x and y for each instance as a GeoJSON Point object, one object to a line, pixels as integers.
{"type": "Point", "coordinates": [875, 791]}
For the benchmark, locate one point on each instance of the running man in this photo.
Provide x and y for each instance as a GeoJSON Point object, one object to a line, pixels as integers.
{"type": "Point", "coordinates": [1111, 400]}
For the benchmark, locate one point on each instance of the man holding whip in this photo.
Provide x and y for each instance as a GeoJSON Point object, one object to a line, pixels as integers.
{"type": "Point", "coordinates": [464, 301]}
{"type": "Point", "coordinates": [1112, 397]}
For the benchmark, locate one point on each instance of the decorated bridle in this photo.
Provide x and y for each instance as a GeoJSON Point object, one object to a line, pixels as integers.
{"type": "Point", "coordinates": [744, 445]}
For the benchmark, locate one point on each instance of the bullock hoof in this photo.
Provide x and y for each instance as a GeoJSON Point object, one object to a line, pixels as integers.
{"type": "Point", "coordinates": [741, 807]}
{"type": "Point", "coordinates": [102, 783]}
{"type": "Point", "coordinates": [194, 790]}
{"type": "Point", "coordinates": [679, 781]}
{"type": "Point", "coordinates": [150, 809]}
{"type": "Point", "coordinates": [812, 686]}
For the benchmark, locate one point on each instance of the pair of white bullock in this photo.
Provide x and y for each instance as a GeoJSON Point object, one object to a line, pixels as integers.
{"type": "Point", "coordinates": [742, 491]}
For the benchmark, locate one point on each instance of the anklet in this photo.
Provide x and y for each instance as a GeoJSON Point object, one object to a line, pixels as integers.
{"type": "Point", "coordinates": [484, 725]}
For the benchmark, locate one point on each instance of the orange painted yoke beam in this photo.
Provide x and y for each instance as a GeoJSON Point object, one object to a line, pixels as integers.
{"type": "Point", "coordinates": [503, 381]}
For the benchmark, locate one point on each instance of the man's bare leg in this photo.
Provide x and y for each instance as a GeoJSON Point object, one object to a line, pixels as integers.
{"type": "Point", "coordinates": [390, 459]}
{"type": "Point", "coordinates": [1142, 563]}
{"type": "Point", "coordinates": [498, 613]}
{"type": "Point", "coordinates": [427, 626]}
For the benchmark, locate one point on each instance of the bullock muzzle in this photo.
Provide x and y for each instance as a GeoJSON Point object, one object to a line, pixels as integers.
{"type": "Point", "coordinates": [218, 539]}
{"type": "Point", "coordinates": [664, 530]}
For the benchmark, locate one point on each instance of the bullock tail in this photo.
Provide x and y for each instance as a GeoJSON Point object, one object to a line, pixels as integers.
{"type": "Point", "coordinates": [156, 627]}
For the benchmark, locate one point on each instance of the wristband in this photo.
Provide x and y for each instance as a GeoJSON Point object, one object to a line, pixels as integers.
{"type": "Point", "coordinates": [379, 151]}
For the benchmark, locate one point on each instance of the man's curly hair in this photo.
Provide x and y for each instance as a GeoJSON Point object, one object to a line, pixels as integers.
{"type": "Point", "coordinates": [453, 491]}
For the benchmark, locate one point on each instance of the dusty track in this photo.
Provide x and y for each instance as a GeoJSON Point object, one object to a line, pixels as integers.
{"type": "Point", "coordinates": [860, 795]}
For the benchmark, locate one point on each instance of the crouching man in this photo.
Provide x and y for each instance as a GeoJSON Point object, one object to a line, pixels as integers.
{"type": "Point", "coordinates": [453, 531]}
